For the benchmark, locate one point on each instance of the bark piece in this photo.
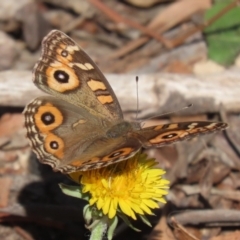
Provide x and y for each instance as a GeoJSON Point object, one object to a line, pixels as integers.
{"type": "Point", "coordinates": [158, 93]}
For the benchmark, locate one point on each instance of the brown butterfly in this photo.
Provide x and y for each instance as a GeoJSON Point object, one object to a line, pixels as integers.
{"type": "Point", "coordinates": [81, 126]}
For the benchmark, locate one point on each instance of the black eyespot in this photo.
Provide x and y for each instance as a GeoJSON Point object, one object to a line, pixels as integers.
{"type": "Point", "coordinates": [47, 118]}
{"type": "Point", "coordinates": [54, 145]}
{"type": "Point", "coordinates": [172, 135]}
{"type": "Point", "coordinates": [64, 53]}
{"type": "Point", "coordinates": [61, 76]}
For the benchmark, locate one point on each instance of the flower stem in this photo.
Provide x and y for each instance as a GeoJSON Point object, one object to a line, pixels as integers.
{"type": "Point", "coordinates": [99, 231]}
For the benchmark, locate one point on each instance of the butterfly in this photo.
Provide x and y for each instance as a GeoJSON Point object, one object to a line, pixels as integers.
{"type": "Point", "coordinates": [80, 125]}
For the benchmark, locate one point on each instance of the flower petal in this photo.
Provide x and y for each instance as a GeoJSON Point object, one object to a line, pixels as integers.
{"type": "Point", "coordinates": [112, 210]}
{"type": "Point", "coordinates": [126, 209]}
{"type": "Point", "coordinates": [106, 205]}
{"type": "Point", "coordinates": [131, 187]}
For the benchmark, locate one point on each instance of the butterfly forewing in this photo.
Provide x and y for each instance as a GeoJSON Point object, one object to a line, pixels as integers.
{"type": "Point", "coordinates": [67, 72]}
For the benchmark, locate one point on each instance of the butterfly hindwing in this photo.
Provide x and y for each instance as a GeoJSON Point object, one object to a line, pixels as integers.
{"type": "Point", "coordinates": [161, 135]}
{"type": "Point", "coordinates": [70, 139]}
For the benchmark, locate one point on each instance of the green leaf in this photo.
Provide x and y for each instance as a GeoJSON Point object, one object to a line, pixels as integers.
{"type": "Point", "coordinates": [228, 20]}
{"type": "Point", "coordinates": [223, 48]}
{"type": "Point", "coordinates": [87, 214]}
{"type": "Point", "coordinates": [112, 226]}
{"type": "Point", "coordinates": [223, 36]}
{"type": "Point", "coordinates": [73, 191]}
{"type": "Point", "coordinates": [125, 219]}
{"type": "Point", "coordinates": [145, 220]}
{"type": "Point", "coordinates": [98, 229]}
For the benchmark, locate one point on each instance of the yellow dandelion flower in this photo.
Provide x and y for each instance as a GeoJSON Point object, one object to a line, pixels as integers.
{"type": "Point", "coordinates": [132, 187]}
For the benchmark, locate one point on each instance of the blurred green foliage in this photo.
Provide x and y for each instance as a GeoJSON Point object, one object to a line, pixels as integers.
{"type": "Point", "coordinates": [223, 36]}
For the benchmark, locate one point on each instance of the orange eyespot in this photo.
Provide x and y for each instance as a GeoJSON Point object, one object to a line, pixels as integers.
{"type": "Point", "coordinates": [54, 145]}
{"type": "Point", "coordinates": [170, 136]}
{"type": "Point", "coordinates": [48, 117]}
{"type": "Point", "coordinates": [62, 78]}
{"type": "Point", "coordinates": [118, 153]}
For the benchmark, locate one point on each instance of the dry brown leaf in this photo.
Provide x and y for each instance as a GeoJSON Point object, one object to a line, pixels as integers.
{"type": "Point", "coordinates": [161, 231]}
{"type": "Point", "coordinates": [5, 183]}
{"type": "Point", "coordinates": [177, 66]}
{"type": "Point", "coordinates": [144, 3]}
{"type": "Point", "coordinates": [206, 181]}
{"type": "Point", "coordinates": [9, 125]}
{"type": "Point", "coordinates": [229, 236]}
{"type": "Point", "coordinates": [180, 232]}
{"type": "Point", "coordinates": [165, 19]}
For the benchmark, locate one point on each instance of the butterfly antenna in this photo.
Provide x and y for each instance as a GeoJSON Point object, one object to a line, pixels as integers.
{"type": "Point", "coordinates": [137, 98]}
{"type": "Point", "coordinates": [167, 113]}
